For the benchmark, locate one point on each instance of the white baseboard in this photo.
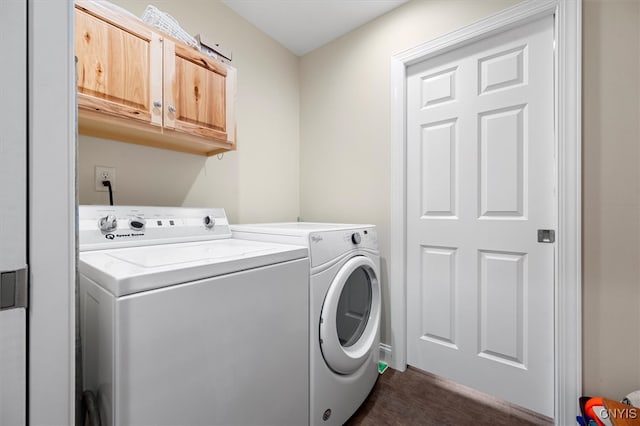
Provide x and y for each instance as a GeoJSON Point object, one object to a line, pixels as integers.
{"type": "Point", "coordinates": [386, 353]}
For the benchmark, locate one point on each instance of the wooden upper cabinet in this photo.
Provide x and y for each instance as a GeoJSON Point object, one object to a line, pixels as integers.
{"type": "Point", "coordinates": [137, 85]}
{"type": "Point", "coordinates": [196, 88]}
{"type": "Point", "coordinates": [114, 70]}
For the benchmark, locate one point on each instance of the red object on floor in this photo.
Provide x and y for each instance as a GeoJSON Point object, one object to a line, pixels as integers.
{"type": "Point", "coordinates": [593, 408]}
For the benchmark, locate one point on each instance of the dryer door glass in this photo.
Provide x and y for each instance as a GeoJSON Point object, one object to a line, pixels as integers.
{"type": "Point", "coordinates": [350, 316]}
{"type": "Point", "coordinates": [354, 307]}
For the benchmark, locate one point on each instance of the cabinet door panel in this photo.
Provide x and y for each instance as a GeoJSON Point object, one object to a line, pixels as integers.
{"type": "Point", "coordinates": [196, 91]}
{"type": "Point", "coordinates": [200, 95]}
{"type": "Point", "coordinates": [113, 68]}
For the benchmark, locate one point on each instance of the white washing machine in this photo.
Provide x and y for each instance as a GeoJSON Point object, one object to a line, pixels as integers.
{"type": "Point", "coordinates": [344, 307]}
{"type": "Point", "coordinates": [183, 325]}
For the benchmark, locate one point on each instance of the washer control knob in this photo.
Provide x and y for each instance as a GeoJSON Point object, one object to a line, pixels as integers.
{"type": "Point", "coordinates": [356, 238]}
{"type": "Point", "coordinates": [137, 223]}
{"type": "Point", "coordinates": [209, 221]}
{"type": "Point", "coordinates": [108, 223]}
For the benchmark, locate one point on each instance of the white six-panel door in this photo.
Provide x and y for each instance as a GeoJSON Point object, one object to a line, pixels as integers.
{"type": "Point", "coordinates": [480, 184]}
{"type": "Point", "coordinates": [13, 208]}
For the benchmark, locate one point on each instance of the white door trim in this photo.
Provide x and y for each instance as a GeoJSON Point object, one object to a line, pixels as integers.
{"type": "Point", "coordinates": [568, 291]}
{"type": "Point", "coordinates": [52, 213]}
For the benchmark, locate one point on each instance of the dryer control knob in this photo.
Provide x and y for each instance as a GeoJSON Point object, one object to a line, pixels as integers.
{"type": "Point", "coordinates": [356, 238]}
{"type": "Point", "coordinates": [209, 221]}
{"type": "Point", "coordinates": [108, 223]}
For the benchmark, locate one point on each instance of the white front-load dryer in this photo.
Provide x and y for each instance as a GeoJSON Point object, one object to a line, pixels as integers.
{"type": "Point", "coordinates": [344, 311]}
{"type": "Point", "coordinates": [345, 336]}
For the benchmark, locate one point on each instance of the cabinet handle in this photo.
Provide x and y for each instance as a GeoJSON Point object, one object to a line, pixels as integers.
{"type": "Point", "coordinates": [157, 104]}
{"type": "Point", "coordinates": [172, 108]}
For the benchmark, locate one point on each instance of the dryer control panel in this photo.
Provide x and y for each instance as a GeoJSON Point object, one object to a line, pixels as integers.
{"type": "Point", "coordinates": [103, 227]}
{"type": "Point", "coordinates": [325, 246]}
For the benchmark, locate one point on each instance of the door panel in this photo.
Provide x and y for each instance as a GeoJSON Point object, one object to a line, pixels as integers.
{"type": "Point", "coordinates": [480, 183]}
{"type": "Point", "coordinates": [502, 283]}
{"type": "Point", "coordinates": [438, 175]}
{"type": "Point", "coordinates": [501, 163]}
{"type": "Point", "coordinates": [13, 207]}
{"type": "Point", "coordinates": [438, 296]}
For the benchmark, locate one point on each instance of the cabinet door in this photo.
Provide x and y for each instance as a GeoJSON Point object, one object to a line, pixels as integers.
{"type": "Point", "coordinates": [199, 94]}
{"type": "Point", "coordinates": [119, 65]}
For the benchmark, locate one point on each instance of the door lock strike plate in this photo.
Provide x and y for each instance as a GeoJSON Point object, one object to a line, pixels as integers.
{"type": "Point", "coordinates": [13, 289]}
{"type": "Point", "coordinates": [546, 236]}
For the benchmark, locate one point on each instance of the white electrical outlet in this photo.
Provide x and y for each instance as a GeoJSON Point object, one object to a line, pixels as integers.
{"type": "Point", "coordinates": [105, 173]}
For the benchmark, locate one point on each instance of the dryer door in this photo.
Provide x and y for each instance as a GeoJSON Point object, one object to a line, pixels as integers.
{"type": "Point", "coordinates": [350, 316]}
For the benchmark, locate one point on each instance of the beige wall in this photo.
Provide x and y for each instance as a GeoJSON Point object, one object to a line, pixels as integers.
{"type": "Point", "coordinates": [611, 193]}
{"type": "Point", "coordinates": [258, 182]}
{"type": "Point", "coordinates": [345, 116]}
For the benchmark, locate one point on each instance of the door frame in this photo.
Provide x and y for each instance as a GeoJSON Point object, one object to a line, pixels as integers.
{"type": "Point", "coordinates": [568, 279]}
{"type": "Point", "coordinates": [52, 214]}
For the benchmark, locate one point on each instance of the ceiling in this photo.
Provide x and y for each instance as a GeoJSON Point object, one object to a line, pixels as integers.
{"type": "Point", "coordinates": [304, 25]}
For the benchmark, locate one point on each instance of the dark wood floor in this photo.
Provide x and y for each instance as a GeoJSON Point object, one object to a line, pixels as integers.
{"type": "Point", "coordinates": [418, 398]}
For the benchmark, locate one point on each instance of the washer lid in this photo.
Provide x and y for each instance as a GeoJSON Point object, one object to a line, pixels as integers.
{"type": "Point", "coordinates": [131, 270]}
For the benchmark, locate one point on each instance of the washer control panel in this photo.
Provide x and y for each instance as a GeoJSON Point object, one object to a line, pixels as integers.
{"type": "Point", "coordinates": [126, 226]}
{"type": "Point", "coordinates": [137, 223]}
{"type": "Point", "coordinates": [108, 223]}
